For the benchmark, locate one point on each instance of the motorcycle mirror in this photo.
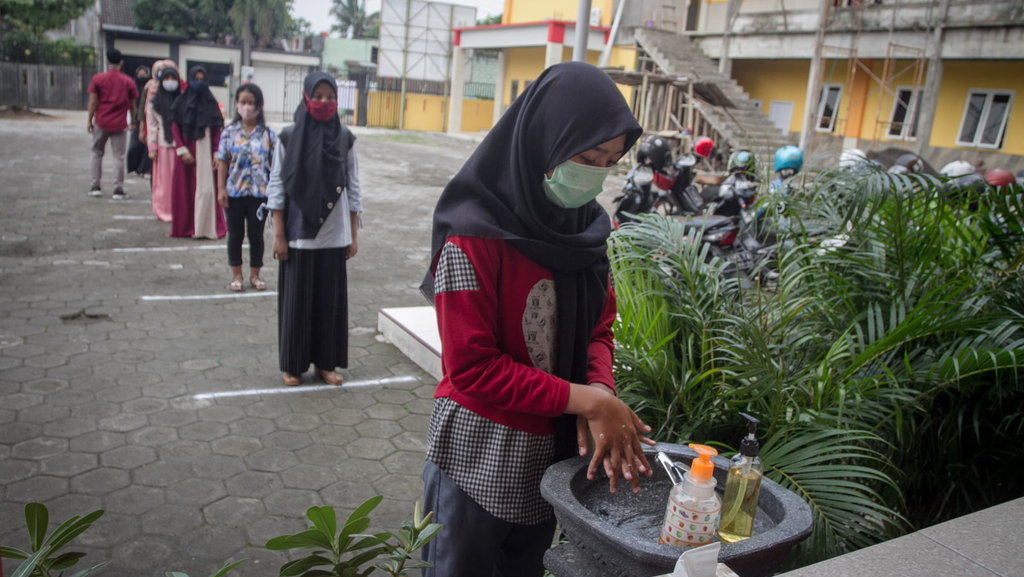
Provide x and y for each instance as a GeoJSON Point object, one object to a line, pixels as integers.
{"type": "Point", "coordinates": [643, 175]}
{"type": "Point", "coordinates": [686, 161]}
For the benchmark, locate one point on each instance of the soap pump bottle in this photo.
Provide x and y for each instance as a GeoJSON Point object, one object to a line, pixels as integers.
{"type": "Point", "coordinates": [691, 516]}
{"type": "Point", "coordinates": [742, 488]}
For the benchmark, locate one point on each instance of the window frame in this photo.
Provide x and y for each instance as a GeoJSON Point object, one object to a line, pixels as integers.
{"type": "Point", "coordinates": [908, 130]}
{"type": "Point", "coordinates": [979, 130]}
{"type": "Point", "coordinates": [822, 99]}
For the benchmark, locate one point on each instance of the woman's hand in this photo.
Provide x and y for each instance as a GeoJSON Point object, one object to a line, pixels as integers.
{"type": "Point", "coordinates": [152, 154]}
{"type": "Point", "coordinates": [280, 248]}
{"type": "Point", "coordinates": [352, 249]}
{"type": "Point", "coordinates": [222, 198]}
{"type": "Point", "coordinates": [187, 158]}
{"type": "Point", "coordinates": [617, 434]}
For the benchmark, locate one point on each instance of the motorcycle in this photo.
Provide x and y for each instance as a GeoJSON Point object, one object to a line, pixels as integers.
{"type": "Point", "coordinates": [731, 230]}
{"type": "Point", "coordinates": [653, 191]}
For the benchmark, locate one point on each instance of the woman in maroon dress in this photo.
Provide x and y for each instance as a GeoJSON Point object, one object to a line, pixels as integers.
{"type": "Point", "coordinates": [196, 128]}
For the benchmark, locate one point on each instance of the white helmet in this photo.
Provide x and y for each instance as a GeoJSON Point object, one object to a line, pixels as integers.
{"type": "Point", "coordinates": [852, 157]}
{"type": "Point", "coordinates": [957, 168]}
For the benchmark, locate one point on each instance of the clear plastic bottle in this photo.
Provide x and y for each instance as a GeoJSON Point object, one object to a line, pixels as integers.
{"type": "Point", "coordinates": [693, 509]}
{"type": "Point", "coordinates": [742, 488]}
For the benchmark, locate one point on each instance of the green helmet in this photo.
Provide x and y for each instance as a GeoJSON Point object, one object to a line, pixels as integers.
{"type": "Point", "coordinates": [743, 161]}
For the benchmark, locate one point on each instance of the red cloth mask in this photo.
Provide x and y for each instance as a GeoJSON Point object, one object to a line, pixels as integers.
{"type": "Point", "coordinates": [322, 110]}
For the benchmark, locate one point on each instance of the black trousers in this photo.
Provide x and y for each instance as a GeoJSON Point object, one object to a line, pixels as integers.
{"type": "Point", "coordinates": [474, 543]}
{"type": "Point", "coordinates": [242, 215]}
{"type": "Point", "coordinates": [312, 310]}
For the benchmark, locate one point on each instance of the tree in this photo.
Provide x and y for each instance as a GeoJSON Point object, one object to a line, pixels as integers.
{"type": "Point", "coordinates": [259, 21]}
{"type": "Point", "coordinates": [256, 22]}
{"type": "Point", "coordinates": [489, 21]}
{"type": "Point", "coordinates": [190, 18]}
{"type": "Point", "coordinates": [299, 27]}
{"type": "Point", "coordinates": [353, 21]}
{"type": "Point", "coordinates": [39, 16]}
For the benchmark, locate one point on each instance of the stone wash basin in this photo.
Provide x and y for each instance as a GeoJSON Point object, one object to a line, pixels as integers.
{"type": "Point", "coordinates": [618, 534]}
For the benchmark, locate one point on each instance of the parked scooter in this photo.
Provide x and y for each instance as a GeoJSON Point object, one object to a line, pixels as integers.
{"type": "Point", "coordinates": [731, 227]}
{"type": "Point", "coordinates": [657, 184]}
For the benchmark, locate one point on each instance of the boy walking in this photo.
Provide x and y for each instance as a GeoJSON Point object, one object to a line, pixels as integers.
{"type": "Point", "coordinates": [111, 98]}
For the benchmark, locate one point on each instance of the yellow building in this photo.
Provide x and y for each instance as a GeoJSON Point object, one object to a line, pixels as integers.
{"type": "Point", "coordinates": [935, 77]}
{"type": "Point", "coordinates": [533, 35]}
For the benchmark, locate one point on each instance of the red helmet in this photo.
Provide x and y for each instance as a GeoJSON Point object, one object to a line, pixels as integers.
{"type": "Point", "coordinates": [1000, 177]}
{"type": "Point", "coordinates": [703, 146]}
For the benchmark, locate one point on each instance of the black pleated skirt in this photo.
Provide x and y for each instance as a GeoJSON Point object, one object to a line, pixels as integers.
{"type": "Point", "coordinates": [312, 310]}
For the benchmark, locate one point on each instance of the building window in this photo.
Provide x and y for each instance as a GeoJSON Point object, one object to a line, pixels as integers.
{"type": "Point", "coordinates": [828, 107]}
{"type": "Point", "coordinates": [985, 116]}
{"type": "Point", "coordinates": [905, 113]}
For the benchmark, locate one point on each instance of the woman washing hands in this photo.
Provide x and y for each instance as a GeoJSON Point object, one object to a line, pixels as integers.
{"type": "Point", "coordinates": [520, 281]}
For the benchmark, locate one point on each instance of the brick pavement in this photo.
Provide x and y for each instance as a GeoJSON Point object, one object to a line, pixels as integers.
{"type": "Point", "coordinates": [169, 414]}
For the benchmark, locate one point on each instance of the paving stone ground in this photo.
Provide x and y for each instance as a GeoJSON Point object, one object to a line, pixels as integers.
{"type": "Point", "coordinates": [170, 414]}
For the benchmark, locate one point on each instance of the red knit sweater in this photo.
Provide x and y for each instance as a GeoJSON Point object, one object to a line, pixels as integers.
{"type": "Point", "coordinates": [489, 368]}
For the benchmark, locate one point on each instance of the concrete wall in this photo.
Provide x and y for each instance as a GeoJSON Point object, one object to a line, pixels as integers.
{"type": "Point", "coordinates": [780, 80]}
{"type": "Point", "coordinates": [337, 50]}
{"type": "Point", "coordinates": [524, 11]}
{"type": "Point", "coordinates": [477, 115]}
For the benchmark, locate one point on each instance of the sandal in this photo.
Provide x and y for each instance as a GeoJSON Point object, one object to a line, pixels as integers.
{"type": "Point", "coordinates": [257, 283]}
{"type": "Point", "coordinates": [236, 284]}
{"type": "Point", "coordinates": [291, 380]}
{"type": "Point", "coordinates": [330, 377]}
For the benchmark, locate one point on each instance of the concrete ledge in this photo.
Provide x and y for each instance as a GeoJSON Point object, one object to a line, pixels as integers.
{"type": "Point", "coordinates": [982, 544]}
{"type": "Point", "coordinates": [413, 330]}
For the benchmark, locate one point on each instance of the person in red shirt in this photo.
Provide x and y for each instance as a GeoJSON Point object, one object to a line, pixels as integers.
{"type": "Point", "coordinates": [520, 280]}
{"type": "Point", "coordinates": [112, 97]}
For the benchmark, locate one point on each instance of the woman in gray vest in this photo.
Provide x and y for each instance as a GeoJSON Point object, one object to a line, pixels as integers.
{"type": "Point", "coordinates": [315, 198]}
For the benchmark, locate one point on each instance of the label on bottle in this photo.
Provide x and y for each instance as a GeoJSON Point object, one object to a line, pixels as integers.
{"type": "Point", "coordinates": [688, 522]}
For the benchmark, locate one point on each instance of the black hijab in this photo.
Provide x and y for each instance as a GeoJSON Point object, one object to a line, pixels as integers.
{"type": "Point", "coordinates": [195, 110]}
{"type": "Point", "coordinates": [498, 193]}
{"type": "Point", "coordinates": [163, 102]}
{"type": "Point", "coordinates": [140, 83]}
{"type": "Point", "coordinates": [315, 154]}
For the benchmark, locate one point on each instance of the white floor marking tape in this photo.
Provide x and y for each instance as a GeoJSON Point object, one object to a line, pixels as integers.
{"type": "Point", "coordinates": [305, 388]}
{"type": "Point", "coordinates": [239, 295]}
{"type": "Point", "coordinates": [173, 248]}
{"type": "Point", "coordinates": [133, 217]}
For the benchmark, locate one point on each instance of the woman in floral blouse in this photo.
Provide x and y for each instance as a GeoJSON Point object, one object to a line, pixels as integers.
{"type": "Point", "coordinates": [243, 170]}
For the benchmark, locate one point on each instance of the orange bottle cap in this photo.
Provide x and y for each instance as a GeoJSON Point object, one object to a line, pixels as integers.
{"type": "Point", "coordinates": [702, 468]}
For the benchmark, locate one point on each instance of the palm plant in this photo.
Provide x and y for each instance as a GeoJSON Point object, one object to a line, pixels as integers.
{"type": "Point", "coordinates": [353, 21]}
{"type": "Point", "coordinates": [858, 360]}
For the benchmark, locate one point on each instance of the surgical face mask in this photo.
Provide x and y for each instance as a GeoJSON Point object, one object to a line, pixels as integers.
{"type": "Point", "coordinates": [198, 84]}
{"type": "Point", "coordinates": [247, 111]}
{"type": "Point", "coordinates": [572, 184]}
{"type": "Point", "coordinates": [322, 110]}
{"type": "Point", "coordinates": [170, 85]}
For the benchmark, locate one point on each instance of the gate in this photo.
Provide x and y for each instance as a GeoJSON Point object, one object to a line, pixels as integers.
{"type": "Point", "coordinates": [44, 86]}
{"type": "Point", "coordinates": [293, 77]}
{"type": "Point", "coordinates": [45, 76]}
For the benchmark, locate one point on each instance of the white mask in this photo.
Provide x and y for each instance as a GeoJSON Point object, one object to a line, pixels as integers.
{"type": "Point", "coordinates": [170, 85]}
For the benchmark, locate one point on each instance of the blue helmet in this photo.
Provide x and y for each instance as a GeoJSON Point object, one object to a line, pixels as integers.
{"type": "Point", "coordinates": [789, 158]}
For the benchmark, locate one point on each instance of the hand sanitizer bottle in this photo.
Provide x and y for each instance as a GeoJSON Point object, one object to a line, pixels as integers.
{"type": "Point", "coordinates": [691, 516]}
{"type": "Point", "coordinates": [742, 488]}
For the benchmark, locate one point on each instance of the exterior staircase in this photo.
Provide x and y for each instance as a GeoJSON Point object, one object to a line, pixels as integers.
{"type": "Point", "coordinates": [728, 109]}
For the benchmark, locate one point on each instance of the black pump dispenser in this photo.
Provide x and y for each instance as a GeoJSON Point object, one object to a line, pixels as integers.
{"type": "Point", "coordinates": [750, 446]}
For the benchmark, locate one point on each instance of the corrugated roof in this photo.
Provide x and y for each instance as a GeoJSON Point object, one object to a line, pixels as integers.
{"type": "Point", "coordinates": [119, 12]}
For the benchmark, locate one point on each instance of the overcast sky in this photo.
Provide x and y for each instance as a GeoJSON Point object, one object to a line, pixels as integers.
{"type": "Point", "coordinates": [318, 12]}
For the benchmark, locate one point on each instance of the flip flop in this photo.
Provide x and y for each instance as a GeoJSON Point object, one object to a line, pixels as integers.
{"type": "Point", "coordinates": [330, 377]}
{"type": "Point", "coordinates": [257, 283]}
{"type": "Point", "coordinates": [236, 284]}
